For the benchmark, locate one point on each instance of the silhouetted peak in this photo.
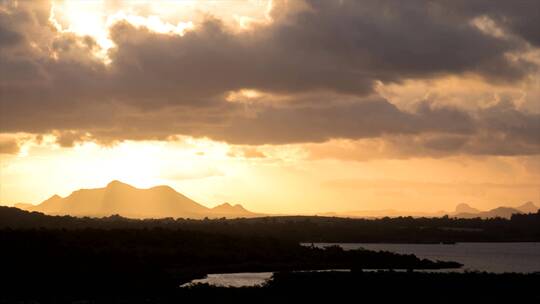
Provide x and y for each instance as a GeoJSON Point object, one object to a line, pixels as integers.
{"type": "Point", "coordinates": [123, 199]}
{"type": "Point", "coordinates": [54, 197]}
{"type": "Point", "coordinates": [164, 188]}
{"type": "Point", "coordinates": [528, 204]}
{"type": "Point", "coordinates": [466, 208]}
{"type": "Point", "coordinates": [229, 207]}
{"type": "Point", "coordinates": [528, 207]}
{"type": "Point", "coordinates": [117, 184]}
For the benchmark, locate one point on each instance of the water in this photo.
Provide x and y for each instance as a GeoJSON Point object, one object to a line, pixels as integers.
{"type": "Point", "coordinates": [490, 257]}
{"type": "Point", "coordinates": [240, 279]}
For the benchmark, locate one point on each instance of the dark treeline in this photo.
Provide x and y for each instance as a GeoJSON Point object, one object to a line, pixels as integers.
{"type": "Point", "coordinates": [520, 228]}
{"type": "Point", "coordinates": [330, 287]}
{"type": "Point", "coordinates": [157, 259]}
{"type": "Point", "coordinates": [379, 287]}
{"type": "Point", "coordinates": [64, 259]}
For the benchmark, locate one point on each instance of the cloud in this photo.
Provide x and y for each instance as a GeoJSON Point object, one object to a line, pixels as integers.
{"type": "Point", "coordinates": [9, 145]}
{"type": "Point", "coordinates": [522, 20]}
{"type": "Point", "coordinates": [364, 118]}
{"type": "Point", "coordinates": [325, 57]}
{"type": "Point", "coordinates": [69, 138]}
{"type": "Point", "coordinates": [384, 183]}
{"type": "Point", "coordinates": [246, 152]}
{"type": "Point", "coordinates": [496, 130]}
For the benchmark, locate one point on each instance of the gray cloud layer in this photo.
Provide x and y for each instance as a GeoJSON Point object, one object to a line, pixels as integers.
{"type": "Point", "coordinates": [160, 85]}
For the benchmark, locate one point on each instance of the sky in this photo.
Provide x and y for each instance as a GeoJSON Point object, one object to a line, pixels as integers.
{"type": "Point", "coordinates": [282, 106]}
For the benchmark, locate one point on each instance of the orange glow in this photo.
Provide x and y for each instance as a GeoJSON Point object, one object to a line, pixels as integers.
{"type": "Point", "coordinates": [273, 180]}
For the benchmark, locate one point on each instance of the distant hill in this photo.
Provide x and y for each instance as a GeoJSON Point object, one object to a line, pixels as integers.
{"type": "Point", "coordinates": [465, 208]}
{"type": "Point", "coordinates": [228, 210]}
{"type": "Point", "coordinates": [125, 200]}
{"type": "Point", "coordinates": [380, 214]}
{"type": "Point", "coordinates": [528, 207]}
{"type": "Point", "coordinates": [461, 211]}
{"type": "Point", "coordinates": [504, 212]}
{"type": "Point", "coordinates": [465, 211]}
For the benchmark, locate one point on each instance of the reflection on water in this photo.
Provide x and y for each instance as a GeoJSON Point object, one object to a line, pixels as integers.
{"type": "Point", "coordinates": [241, 279]}
{"type": "Point", "coordinates": [490, 257]}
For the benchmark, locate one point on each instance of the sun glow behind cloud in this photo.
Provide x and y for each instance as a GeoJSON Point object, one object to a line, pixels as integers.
{"type": "Point", "coordinates": [273, 179]}
{"type": "Point", "coordinates": [142, 164]}
{"type": "Point", "coordinates": [128, 125]}
{"type": "Point", "coordinates": [95, 18]}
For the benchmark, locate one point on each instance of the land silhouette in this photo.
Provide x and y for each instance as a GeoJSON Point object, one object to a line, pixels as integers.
{"type": "Point", "coordinates": [119, 198]}
{"type": "Point", "coordinates": [518, 228]}
{"type": "Point", "coordinates": [126, 200]}
{"type": "Point", "coordinates": [281, 122]}
{"type": "Point", "coordinates": [462, 210]}
{"type": "Point", "coordinates": [74, 256]}
{"type": "Point", "coordinates": [117, 259]}
{"type": "Point", "coordinates": [144, 244]}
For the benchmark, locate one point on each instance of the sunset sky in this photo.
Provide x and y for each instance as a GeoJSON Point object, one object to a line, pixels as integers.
{"type": "Point", "coordinates": [281, 106]}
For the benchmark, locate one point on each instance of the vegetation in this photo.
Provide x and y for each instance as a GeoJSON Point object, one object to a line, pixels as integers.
{"type": "Point", "coordinates": [329, 287]}
{"type": "Point", "coordinates": [379, 287]}
{"type": "Point", "coordinates": [519, 228]}
{"type": "Point", "coordinates": [89, 258]}
{"type": "Point", "coordinates": [162, 259]}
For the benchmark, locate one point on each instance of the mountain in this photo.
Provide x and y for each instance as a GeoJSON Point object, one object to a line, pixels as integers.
{"type": "Point", "coordinates": [123, 199]}
{"type": "Point", "coordinates": [504, 212]}
{"type": "Point", "coordinates": [528, 207]}
{"type": "Point", "coordinates": [226, 210]}
{"type": "Point", "coordinates": [465, 208]}
{"type": "Point", "coordinates": [461, 211]}
{"type": "Point", "coordinates": [381, 214]}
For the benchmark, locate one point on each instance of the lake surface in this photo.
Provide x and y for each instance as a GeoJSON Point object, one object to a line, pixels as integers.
{"type": "Point", "coordinates": [240, 279]}
{"type": "Point", "coordinates": [490, 257]}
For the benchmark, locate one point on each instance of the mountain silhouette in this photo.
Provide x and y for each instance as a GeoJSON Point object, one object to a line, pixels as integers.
{"type": "Point", "coordinates": [504, 212]}
{"type": "Point", "coordinates": [227, 209]}
{"type": "Point", "coordinates": [462, 210]}
{"type": "Point", "coordinates": [126, 200]}
{"type": "Point", "coordinates": [528, 207]}
{"type": "Point", "coordinates": [465, 208]}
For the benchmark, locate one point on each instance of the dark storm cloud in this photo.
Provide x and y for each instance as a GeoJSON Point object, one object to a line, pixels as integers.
{"type": "Point", "coordinates": [160, 85]}
{"type": "Point", "coordinates": [8, 37]}
{"type": "Point", "coordinates": [343, 47]}
{"type": "Point", "coordinates": [520, 17]}
{"type": "Point", "coordinates": [363, 119]}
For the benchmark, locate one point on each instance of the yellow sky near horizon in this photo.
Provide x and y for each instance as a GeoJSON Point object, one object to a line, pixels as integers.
{"type": "Point", "coordinates": [276, 179]}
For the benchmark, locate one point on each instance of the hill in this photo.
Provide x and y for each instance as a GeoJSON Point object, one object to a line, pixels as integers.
{"type": "Point", "coordinates": [462, 210]}
{"type": "Point", "coordinates": [466, 211]}
{"type": "Point", "coordinates": [128, 201]}
{"type": "Point", "coordinates": [528, 207]}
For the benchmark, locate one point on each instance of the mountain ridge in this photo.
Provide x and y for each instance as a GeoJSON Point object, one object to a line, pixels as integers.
{"type": "Point", "coordinates": [125, 200]}
{"type": "Point", "coordinates": [462, 210]}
